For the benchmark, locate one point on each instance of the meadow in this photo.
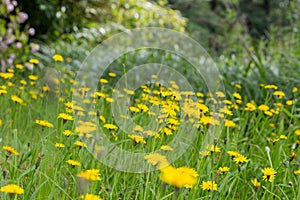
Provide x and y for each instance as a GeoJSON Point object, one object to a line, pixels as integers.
{"type": "Point", "coordinates": [52, 144]}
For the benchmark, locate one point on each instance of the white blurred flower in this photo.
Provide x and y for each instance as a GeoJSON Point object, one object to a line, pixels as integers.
{"type": "Point", "coordinates": [22, 17]}
{"type": "Point", "coordinates": [31, 31]}
{"type": "Point", "coordinates": [29, 66]}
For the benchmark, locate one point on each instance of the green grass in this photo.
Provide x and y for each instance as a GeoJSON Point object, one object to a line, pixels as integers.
{"type": "Point", "coordinates": [41, 168]}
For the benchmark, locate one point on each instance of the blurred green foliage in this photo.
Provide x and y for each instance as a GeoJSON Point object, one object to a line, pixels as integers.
{"type": "Point", "coordinates": [142, 13]}
{"type": "Point", "coordinates": [53, 19]}
{"type": "Point", "coordinates": [56, 17]}
{"type": "Point", "coordinates": [66, 23]}
{"type": "Point", "coordinates": [60, 30]}
{"type": "Point", "coordinates": [223, 25]}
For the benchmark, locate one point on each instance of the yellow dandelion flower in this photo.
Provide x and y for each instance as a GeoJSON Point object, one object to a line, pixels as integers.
{"type": "Point", "coordinates": [34, 61]}
{"type": "Point", "coordinates": [271, 87]}
{"type": "Point", "coordinates": [69, 104]}
{"type": "Point", "coordinates": [214, 148]}
{"type": "Point", "coordinates": [19, 66]}
{"type": "Point", "coordinates": [110, 126]}
{"type": "Point", "coordinates": [223, 169]}
{"type": "Point", "coordinates": [3, 92]}
{"type": "Point", "coordinates": [154, 76]}
{"type": "Point", "coordinates": [157, 159]}
{"type": "Point", "coordinates": [279, 94]}
{"type": "Point", "coordinates": [250, 106]}
{"type": "Point", "coordinates": [237, 95]}
{"type": "Point", "coordinates": [278, 104]}
{"type": "Point", "coordinates": [199, 94]}
{"type": "Point", "coordinates": [138, 128]}
{"type": "Point", "coordinates": [33, 78]}
{"type": "Point", "coordinates": [77, 108]}
{"type": "Point", "coordinates": [23, 82]}
{"type": "Point", "coordinates": [238, 86]}
{"type": "Point", "coordinates": [227, 102]}
{"type": "Point", "coordinates": [282, 137]}
{"type": "Point", "coordinates": [92, 113]}
{"type": "Point", "coordinates": [205, 119]}
{"type": "Point", "coordinates": [16, 99]}
{"type": "Point", "coordinates": [233, 153]}
{"type": "Point", "coordinates": [238, 101]}
{"type": "Point", "coordinates": [67, 133]}
{"type": "Point", "coordinates": [134, 109]}
{"type": "Point", "coordinates": [137, 139]}
{"type": "Point", "coordinates": [220, 94]}
{"type": "Point", "coordinates": [229, 123]}
{"type": "Point", "coordinates": [129, 92]}
{"type": "Point", "coordinates": [289, 102]}
{"type": "Point", "coordinates": [79, 144]}
{"type": "Point", "coordinates": [151, 133]}
{"type": "Point", "coordinates": [109, 100]}
{"type": "Point", "coordinates": [269, 113]}
{"type": "Point", "coordinates": [85, 127]}
{"type": "Point", "coordinates": [168, 131]}
{"type": "Point", "coordinates": [240, 159]}
{"type": "Point", "coordinates": [59, 145]}
{"type": "Point", "coordinates": [203, 108]}
{"type": "Point", "coordinates": [143, 107]}
{"type": "Point", "coordinates": [58, 57]}
{"type": "Point", "coordinates": [99, 94]}
{"type": "Point", "coordinates": [90, 174]}
{"type": "Point", "coordinates": [295, 90]}
{"type": "Point", "coordinates": [275, 140]}
{"type": "Point", "coordinates": [269, 174]}
{"type": "Point", "coordinates": [204, 153]}
{"type": "Point", "coordinates": [90, 197]}
{"type": "Point", "coordinates": [68, 110]}
{"type": "Point", "coordinates": [73, 162]}
{"type": "Point", "coordinates": [263, 107]}
{"type": "Point", "coordinates": [297, 172]}
{"type": "Point", "coordinates": [173, 121]}
{"type": "Point", "coordinates": [111, 74]}
{"type": "Point", "coordinates": [255, 183]}
{"type": "Point", "coordinates": [10, 84]}
{"type": "Point", "coordinates": [46, 88]}
{"type": "Point", "coordinates": [44, 123]}
{"type": "Point", "coordinates": [10, 150]}
{"type": "Point", "coordinates": [209, 185]}
{"type": "Point", "coordinates": [179, 177]}
{"type": "Point", "coordinates": [293, 155]}
{"type": "Point", "coordinates": [12, 189]}
{"type": "Point", "coordinates": [297, 132]}
{"type": "Point", "coordinates": [6, 75]}
{"type": "Point", "coordinates": [68, 59]}
{"type": "Point", "coordinates": [65, 116]}
{"type": "Point", "coordinates": [102, 118]}
{"type": "Point", "coordinates": [103, 80]}
{"type": "Point", "coordinates": [166, 148]}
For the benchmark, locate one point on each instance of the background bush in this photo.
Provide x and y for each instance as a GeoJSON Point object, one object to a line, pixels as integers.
{"type": "Point", "coordinates": [14, 34]}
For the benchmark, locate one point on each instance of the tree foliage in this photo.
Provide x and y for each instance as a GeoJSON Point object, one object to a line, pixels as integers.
{"type": "Point", "coordinates": [57, 17]}
{"type": "Point", "coordinates": [222, 24]}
